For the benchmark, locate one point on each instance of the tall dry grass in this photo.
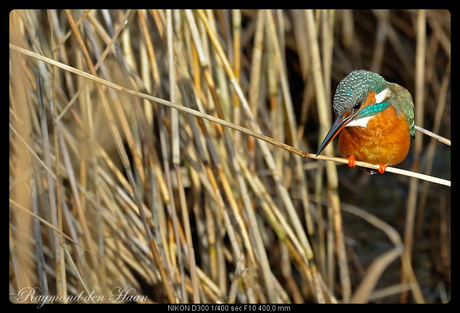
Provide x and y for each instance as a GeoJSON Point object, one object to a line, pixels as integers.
{"type": "Point", "coordinates": [139, 160]}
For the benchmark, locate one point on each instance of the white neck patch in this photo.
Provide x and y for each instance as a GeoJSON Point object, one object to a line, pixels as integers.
{"type": "Point", "coordinates": [382, 95]}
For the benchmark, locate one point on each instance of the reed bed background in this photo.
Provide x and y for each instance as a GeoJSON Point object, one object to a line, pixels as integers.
{"type": "Point", "coordinates": [111, 188]}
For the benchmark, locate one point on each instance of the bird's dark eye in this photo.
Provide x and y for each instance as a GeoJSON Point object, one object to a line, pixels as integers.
{"type": "Point", "coordinates": [357, 106]}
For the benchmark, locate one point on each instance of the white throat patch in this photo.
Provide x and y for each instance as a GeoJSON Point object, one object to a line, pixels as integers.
{"type": "Point", "coordinates": [362, 122]}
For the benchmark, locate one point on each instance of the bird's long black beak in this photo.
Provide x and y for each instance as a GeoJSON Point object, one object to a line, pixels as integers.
{"type": "Point", "coordinates": [339, 123]}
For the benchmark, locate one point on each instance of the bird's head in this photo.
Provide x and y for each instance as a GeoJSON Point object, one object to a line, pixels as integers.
{"type": "Point", "coordinates": [358, 97]}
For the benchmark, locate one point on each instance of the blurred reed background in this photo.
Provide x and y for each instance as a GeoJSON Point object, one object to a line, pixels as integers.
{"type": "Point", "coordinates": [183, 209]}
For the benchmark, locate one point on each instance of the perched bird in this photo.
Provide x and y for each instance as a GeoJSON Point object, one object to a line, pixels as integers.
{"type": "Point", "coordinates": [375, 120]}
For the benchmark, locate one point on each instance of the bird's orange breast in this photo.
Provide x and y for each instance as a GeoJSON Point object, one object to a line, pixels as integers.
{"type": "Point", "coordinates": [385, 140]}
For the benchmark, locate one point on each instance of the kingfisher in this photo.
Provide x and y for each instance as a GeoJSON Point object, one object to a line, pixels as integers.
{"type": "Point", "coordinates": [375, 119]}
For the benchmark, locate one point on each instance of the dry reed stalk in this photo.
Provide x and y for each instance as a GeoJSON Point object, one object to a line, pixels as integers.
{"type": "Point", "coordinates": [330, 168]}
{"type": "Point", "coordinates": [419, 99]}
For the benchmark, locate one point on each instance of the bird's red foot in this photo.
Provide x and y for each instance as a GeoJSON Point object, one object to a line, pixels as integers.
{"type": "Point", "coordinates": [351, 161]}
{"type": "Point", "coordinates": [382, 168]}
